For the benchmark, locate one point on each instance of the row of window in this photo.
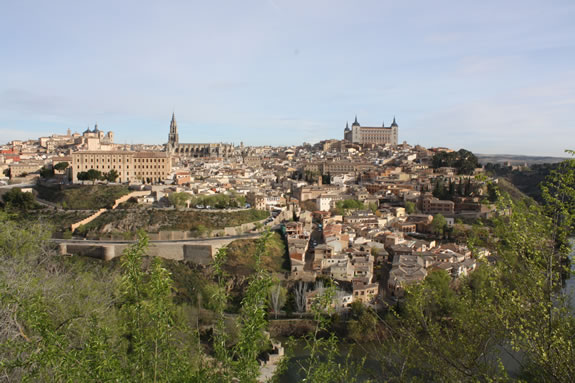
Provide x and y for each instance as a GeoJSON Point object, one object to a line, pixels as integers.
{"type": "Point", "coordinates": [97, 167]}
{"type": "Point", "coordinates": [149, 166]}
{"type": "Point", "coordinates": [103, 167]}
{"type": "Point", "coordinates": [149, 174]}
{"type": "Point", "coordinates": [150, 159]}
{"type": "Point", "coordinates": [113, 159]}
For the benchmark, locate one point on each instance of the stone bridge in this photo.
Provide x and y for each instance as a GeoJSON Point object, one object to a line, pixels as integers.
{"type": "Point", "coordinates": [199, 251]}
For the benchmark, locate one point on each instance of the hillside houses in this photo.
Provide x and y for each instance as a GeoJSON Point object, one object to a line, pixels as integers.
{"type": "Point", "coordinates": [375, 246]}
{"type": "Point", "coordinates": [409, 267]}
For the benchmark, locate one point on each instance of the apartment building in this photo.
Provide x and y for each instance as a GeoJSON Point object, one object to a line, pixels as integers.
{"type": "Point", "coordinates": [143, 166]}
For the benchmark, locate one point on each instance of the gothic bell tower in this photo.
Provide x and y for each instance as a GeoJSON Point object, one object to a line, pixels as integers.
{"type": "Point", "coordinates": [173, 136]}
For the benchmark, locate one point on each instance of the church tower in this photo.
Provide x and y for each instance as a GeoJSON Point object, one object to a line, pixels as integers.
{"type": "Point", "coordinates": [173, 136]}
{"type": "Point", "coordinates": [394, 132]}
{"type": "Point", "coordinates": [347, 132]}
{"type": "Point", "coordinates": [356, 132]}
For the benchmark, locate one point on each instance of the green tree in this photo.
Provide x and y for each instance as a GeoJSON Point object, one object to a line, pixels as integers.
{"type": "Point", "coordinates": [463, 160]}
{"type": "Point", "coordinates": [364, 323]}
{"type": "Point", "coordinates": [558, 192]}
{"type": "Point", "coordinates": [82, 176]}
{"type": "Point", "coordinates": [460, 188]}
{"type": "Point", "coordinates": [92, 175]}
{"type": "Point", "coordinates": [149, 318]}
{"type": "Point", "coordinates": [492, 192]}
{"type": "Point", "coordinates": [324, 362]}
{"type": "Point", "coordinates": [409, 207]}
{"type": "Point", "coordinates": [111, 176]}
{"type": "Point", "coordinates": [253, 318]}
{"type": "Point", "coordinates": [61, 166]}
{"type": "Point", "coordinates": [343, 207]}
{"type": "Point", "coordinates": [468, 188]}
{"type": "Point", "coordinates": [466, 162]}
{"type": "Point", "coordinates": [539, 321]}
{"type": "Point", "coordinates": [439, 224]}
{"type": "Point", "coordinates": [448, 331]}
{"type": "Point", "coordinates": [372, 207]}
{"type": "Point", "coordinates": [240, 361]}
{"type": "Point", "coordinates": [68, 333]}
{"type": "Point", "coordinates": [439, 188]}
{"type": "Point", "coordinates": [442, 334]}
{"type": "Point", "coordinates": [16, 199]}
{"type": "Point", "coordinates": [46, 172]}
{"type": "Point", "coordinates": [451, 190]}
{"type": "Point", "coordinates": [179, 199]}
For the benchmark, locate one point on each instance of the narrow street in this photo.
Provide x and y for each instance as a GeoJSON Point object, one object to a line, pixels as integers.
{"type": "Point", "coordinates": [316, 238]}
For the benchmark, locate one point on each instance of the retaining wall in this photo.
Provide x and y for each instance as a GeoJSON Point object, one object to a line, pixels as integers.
{"type": "Point", "coordinates": [201, 253]}
{"type": "Point", "coordinates": [85, 221]}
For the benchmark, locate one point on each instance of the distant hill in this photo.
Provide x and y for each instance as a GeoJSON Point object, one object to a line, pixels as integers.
{"type": "Point", "coordinates": [517, 159]}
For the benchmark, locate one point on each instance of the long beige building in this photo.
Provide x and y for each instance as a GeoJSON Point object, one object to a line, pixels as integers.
{"type": "Point", "coordinates": [373, 135]}
{"type": "Point", "coordinates": [148, 167]}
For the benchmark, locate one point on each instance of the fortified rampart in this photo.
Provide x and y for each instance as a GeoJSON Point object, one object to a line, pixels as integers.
{"type": "Point", "coordinates": [199, 252]}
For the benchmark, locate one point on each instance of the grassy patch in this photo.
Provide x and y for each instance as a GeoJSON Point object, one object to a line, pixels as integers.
{"type": "Point", "coordinates": [83, 197]}
{"type": "Point", "coordinates": [511, 189]}
{"type": "Point", "coordinates": [58, 221]}
{"type": "Point", "coordinates": [241, 256]}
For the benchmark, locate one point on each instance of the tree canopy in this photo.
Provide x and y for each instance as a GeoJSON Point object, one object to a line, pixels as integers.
{"type": "Point", "coordinates": [439, 224]}
{"type": "Point", "coordinates": [463, 160]}
{"type": "Point", "coordinates": [511, 308]}
{"type": "Point", "coordinates": [60, 166]}
{"type": "Point", "coordinates": [16, 199]}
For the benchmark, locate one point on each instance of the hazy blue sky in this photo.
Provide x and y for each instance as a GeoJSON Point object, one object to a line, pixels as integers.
{"type": "Point", "coordinates": [490, 76]}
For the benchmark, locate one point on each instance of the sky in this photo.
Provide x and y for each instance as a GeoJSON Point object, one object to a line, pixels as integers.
{"type": "Point", "coordinates": [488, 76]}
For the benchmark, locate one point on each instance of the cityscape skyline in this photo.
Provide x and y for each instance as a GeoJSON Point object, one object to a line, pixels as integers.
{"type": "Point", "coordinates": [489, 77]}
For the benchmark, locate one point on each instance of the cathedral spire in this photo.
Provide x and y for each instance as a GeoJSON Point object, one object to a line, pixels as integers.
{"type": "Point", "coordinates": [173, 136]}
{"type": "Point", "coordinates": [173, 124]}
{"type": "Point", "coordinates": [394, 123]}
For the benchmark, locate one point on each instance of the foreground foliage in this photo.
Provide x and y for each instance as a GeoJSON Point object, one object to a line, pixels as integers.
{"type": "Point", "coordinates": [58, 326]}
{"type": "Point", "coordinates": [512, 309]}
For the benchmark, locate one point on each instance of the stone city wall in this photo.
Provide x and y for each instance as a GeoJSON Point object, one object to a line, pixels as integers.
{"type": "Point", "coordinates": [85, 221]}
{"type": "Point", "coordinates": [201, 254]}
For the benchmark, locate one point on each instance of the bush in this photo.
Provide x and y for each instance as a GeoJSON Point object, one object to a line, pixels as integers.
{"type": "Point", "coordinates": [16, 199]}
